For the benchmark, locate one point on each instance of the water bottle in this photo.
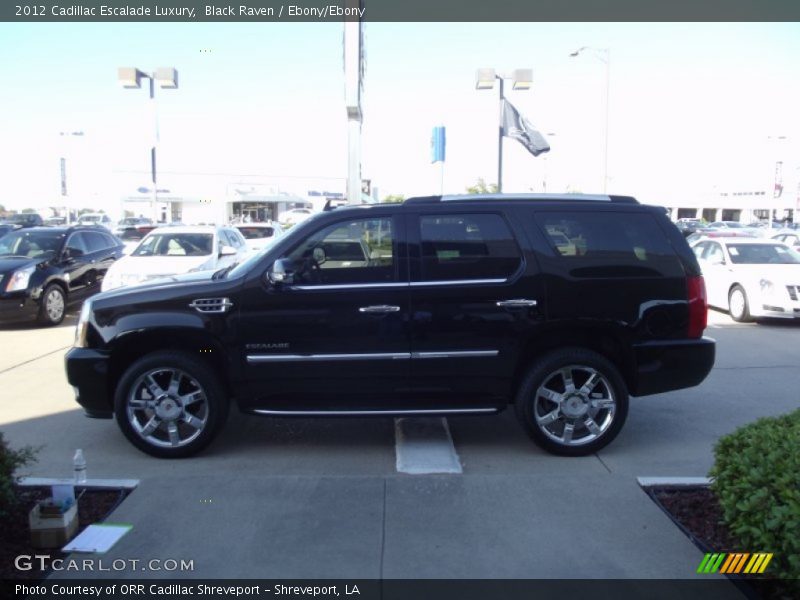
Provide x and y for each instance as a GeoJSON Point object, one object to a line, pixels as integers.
{"type": "Point", "coordinates": [79, 466]}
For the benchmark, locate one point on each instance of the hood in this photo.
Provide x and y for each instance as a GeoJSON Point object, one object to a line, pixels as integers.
{"type": "Point", "coordinates": [12, 263]}
{"type": "Point", "coordinates": [160, 266]}
{"type": "Point", "coordinates": [173, 280]}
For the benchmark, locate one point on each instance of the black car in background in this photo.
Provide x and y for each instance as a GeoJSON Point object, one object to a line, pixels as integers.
{"type": "Point", "coordinates": [43, 270]}
{"type": "Point", "coordinates": [7, 228]}
{"type": "Point", "coordinates": [26, 220]}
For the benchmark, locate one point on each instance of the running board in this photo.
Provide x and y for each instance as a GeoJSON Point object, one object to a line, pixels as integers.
{"type": "Point", "coordinates": [379, 413]}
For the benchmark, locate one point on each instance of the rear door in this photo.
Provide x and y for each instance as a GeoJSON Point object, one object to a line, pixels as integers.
{"type": "Point", "coordinates": [474, 300]}
{"type": "Point", "coordinates": [102, 253]}
{"type": "Point", "coordinates": [77, 266]}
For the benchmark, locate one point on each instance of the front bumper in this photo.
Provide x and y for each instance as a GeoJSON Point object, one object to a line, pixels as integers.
{"type": "Point", "coordinates": [664, 366]}
{"type": "Point", "coordinates": [17, 306]}
{"type": "Point", "coordinates": [87, 372]}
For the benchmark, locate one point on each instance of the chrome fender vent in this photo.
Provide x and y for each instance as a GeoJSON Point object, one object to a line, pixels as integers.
{"type": "Point", "coordinates": [211, 305]}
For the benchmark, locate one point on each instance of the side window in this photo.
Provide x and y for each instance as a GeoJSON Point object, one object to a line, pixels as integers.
{"type": "Point", "coordinates": [714, 254]}
{"type": "Point", "coordinates": [699, 249]}
{"type": "Point", "coordinates": [468, 246]}
{"type": "Point", "coordinates": [95, 241]}
{"type": "Point", "coordinates": [233, 236]}
{"type": "Point", "coordinates": [609, 244]}
{"type": "Point", "coordinates": [76, 242]}
{"type": "Point", "coordinates": [350, 252]}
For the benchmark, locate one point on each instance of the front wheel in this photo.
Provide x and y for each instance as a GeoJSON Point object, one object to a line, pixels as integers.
{"type": "Point", "coordinates": [170, 405]}
{"type": "Point", "coordinates": [572, 402]}
{"type": "Point", "coordinates": [738, 305]}
{"type": "Point", "coordinates": [53, 305]}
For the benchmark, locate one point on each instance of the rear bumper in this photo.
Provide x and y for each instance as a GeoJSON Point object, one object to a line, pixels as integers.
{"type": "Point", "coordinates": [664, 366]}
{"type": "Point", "coordinates": [87, 372]}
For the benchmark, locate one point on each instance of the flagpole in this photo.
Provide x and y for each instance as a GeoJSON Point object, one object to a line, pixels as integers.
{"type": "Point", "coordinates": [500, 141]}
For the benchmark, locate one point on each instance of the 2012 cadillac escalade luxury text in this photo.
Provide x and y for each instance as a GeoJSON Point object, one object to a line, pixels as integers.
{"type": "Point", "coordinates": [561, 306]}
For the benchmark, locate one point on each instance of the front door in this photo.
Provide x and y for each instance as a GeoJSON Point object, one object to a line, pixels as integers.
{"type": "Point", "coordinates": [336, 336]}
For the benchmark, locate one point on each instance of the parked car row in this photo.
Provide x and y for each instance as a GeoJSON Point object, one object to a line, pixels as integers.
{"type": "Point", "coordinates": [46, 270]}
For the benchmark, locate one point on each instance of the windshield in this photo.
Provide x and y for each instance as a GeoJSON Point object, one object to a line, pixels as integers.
{"type": "Point", "coordinates": [22, 218]}
{"type": "Point", "coordinates": [762, 254]}
{"type": "Point", "coordinates": [176, 244]}
{"type": "Point", "coordinates": [33, 244]}
{"type": "Point", "coordinates": [91, 218]}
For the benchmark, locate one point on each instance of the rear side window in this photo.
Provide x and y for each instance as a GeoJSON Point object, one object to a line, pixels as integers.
{"type": "Point", "coordinates": [467, 247]}
{"type": "Point", "coordinates": [608, 244]}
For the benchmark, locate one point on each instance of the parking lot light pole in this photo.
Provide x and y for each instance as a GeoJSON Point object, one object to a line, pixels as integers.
{"type": "Point", "coordinates": [167, 78]}
{"type": "Point", "coordinates": [484, 80]}
{"type": "Point", "coordinates": [604, 56]}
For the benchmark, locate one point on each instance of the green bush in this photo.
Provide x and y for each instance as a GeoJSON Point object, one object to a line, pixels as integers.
{"type": "Point", "coordinates": [757, 480]}
{"type": "Point", "coordinates": [10, 461]}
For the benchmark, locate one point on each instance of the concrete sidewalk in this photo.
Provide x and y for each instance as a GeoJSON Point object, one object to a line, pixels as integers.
{"type": "Point", "coordinates": [435, 526]}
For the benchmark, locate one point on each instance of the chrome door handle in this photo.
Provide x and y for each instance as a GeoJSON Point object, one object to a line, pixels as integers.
{"type": "Point", "coordinates": [517, 303]}
{"type": "Point", "coordinates": [380, 309]}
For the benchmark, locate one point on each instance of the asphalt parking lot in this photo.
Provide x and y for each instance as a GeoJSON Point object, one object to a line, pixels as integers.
{"type": "Point", "coordinates": [324, 499]}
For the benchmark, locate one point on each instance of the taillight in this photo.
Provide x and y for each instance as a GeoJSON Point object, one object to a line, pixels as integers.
{"type": "Point", "coordinates": [698, 305]}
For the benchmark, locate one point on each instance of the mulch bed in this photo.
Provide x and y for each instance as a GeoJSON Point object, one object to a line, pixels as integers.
{"type": "Point", "coordinates": [93, 507]}
{"type": "Point", "coordinates": [698, 511]}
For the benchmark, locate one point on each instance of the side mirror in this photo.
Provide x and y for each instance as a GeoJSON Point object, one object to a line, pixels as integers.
{"type": "Point", "coordinates": [226, 250]}
{"type": "Point", "coordinates": [279, 274]}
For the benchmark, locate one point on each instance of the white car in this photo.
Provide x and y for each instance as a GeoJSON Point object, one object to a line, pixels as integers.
{"type": "Point", "coordinates": [294, 216]}
{"type": "Point", "coordinates": [260, 235]}
{"type": "Point", "coordinates": [750, 277]}
{"type": "Point", "coordinates": [101, 219]}
{"type": "Point", "coordinates": [175, 250]}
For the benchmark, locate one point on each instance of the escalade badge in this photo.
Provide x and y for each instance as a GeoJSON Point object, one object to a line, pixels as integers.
{"type": "Point", "coordinates": [271, 346]}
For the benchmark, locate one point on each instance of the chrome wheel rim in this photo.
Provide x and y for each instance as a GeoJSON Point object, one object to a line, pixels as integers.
{"type": "Point", "coordinates": [575, 405]}
{"type": "Point", "coordinates": [167, 408]}
{"type": "Point", "coordinates": [54, 305]}
{"type": "Point", "coordinates": [737, 303]}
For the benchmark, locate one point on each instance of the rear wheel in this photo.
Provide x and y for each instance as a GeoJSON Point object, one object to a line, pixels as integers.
{"type": "Point", "coordinates": [572, 402]}
{"type": "Point", "coordinates": [170, 405]}
{"type": "Point", "coordinates": [738, 305]}
{"type": "Point", "coordinates": [52, 306]}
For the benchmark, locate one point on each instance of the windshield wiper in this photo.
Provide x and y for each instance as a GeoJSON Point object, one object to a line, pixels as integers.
{"type": "Point", "coordinates": [222, 273]}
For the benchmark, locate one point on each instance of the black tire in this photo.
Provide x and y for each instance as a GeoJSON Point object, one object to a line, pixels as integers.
{"type": "Point", "coordinates": [739, 309]}
{"type": "Point", "coordinates": [607, 399]}
{"type": "Point", "coordinates": [138, 404]}
{"type": "Point", "coordinates": [52, 305]}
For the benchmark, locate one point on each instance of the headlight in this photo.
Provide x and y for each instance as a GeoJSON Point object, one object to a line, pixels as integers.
{"type": "Point", "coordinates": [20, 279]}
{"type": "Point", "coordinates": [83, 325]}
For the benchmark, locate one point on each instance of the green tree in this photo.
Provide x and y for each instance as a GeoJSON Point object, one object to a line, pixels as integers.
{"type": "Point", "coordinates": [393, 198]}
{"type": "Point", "coordinates": [481, 187]}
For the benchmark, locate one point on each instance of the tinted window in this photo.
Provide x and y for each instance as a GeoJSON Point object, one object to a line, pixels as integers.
{"type": "Point", "coordinates": [608, 244]}
{"type": "Point", "coordinates": [360, 251]}
{"type": "Point", "coordinates": [77, 242]}
{"type": "Point", "coordinates": [762, 254]}
{"type": "Point", "coordinates": [254, 233]}
{"type": "Point", "coordinates": [95, 241]}
{"type": "Point", "coordinates": [469, 246]}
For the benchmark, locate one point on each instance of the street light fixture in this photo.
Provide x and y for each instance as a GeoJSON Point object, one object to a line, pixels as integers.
{"type": "Point", "coordinates": [604, 56]}
{"type": "Point", "coordinates": [167, 78]}
{"type": "Point", "coordinates": [522, 79]}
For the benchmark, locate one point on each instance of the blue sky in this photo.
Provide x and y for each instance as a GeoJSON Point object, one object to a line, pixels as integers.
{"type": "Point", "coordinates": [691, 105]}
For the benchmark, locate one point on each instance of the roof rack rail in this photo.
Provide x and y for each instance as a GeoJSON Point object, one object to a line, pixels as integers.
{"type": "Point", "coordinates": [522, 197]}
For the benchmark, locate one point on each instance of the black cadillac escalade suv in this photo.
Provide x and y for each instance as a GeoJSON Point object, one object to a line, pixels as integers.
{"type": "Point", "coordinates": [561, 306]}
